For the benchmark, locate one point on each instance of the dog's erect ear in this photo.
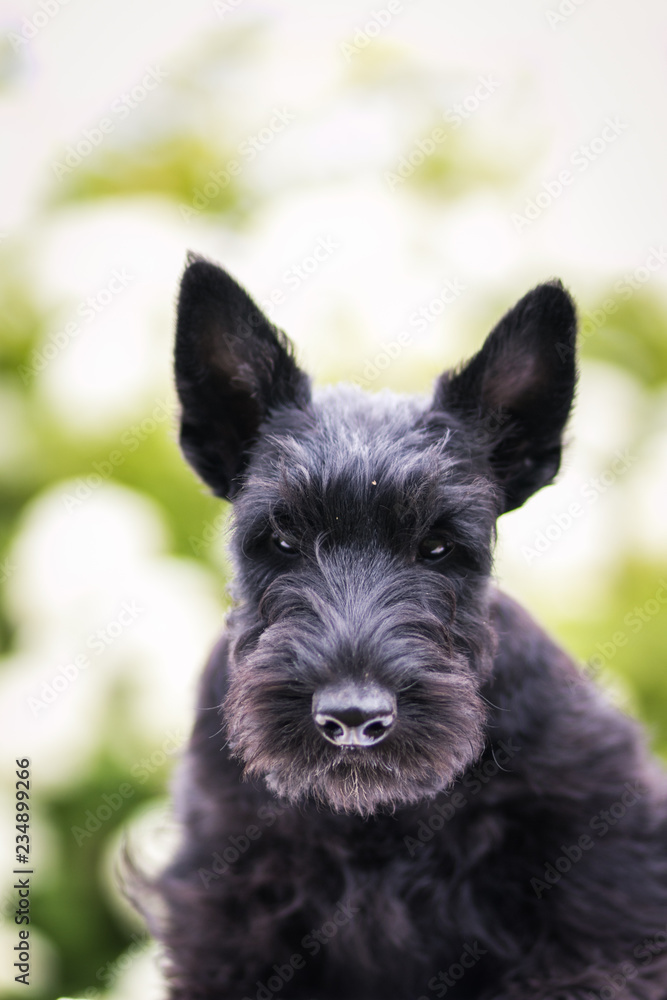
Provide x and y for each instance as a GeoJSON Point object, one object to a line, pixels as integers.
{"type": "Point", "coordinates": [232, 369]}
{"type": "Point", "coordinates": [518, 390]}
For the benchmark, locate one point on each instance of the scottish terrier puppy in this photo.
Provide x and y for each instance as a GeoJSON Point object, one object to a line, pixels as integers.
{"type": "Point", "coordinates": [398, 787]}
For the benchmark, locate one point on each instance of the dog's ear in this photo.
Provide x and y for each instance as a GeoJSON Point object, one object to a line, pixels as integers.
{"type": "Point", "coordinates": [233, 368]}
{"type": "Point", "coordinates": [517, 391]}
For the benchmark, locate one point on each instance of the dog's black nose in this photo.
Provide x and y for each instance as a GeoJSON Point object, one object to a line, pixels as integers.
{"type": "Point", "coordinates": [354, 715]}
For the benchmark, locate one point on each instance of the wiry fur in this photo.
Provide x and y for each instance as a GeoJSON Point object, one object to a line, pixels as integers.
{"type": "Point", "coordinates": [380, 867]}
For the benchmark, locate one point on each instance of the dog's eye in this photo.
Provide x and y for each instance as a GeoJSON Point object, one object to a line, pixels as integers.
{"type": "Point", "coordinates": [433, 548]}
{"type": "Point", "coordinates": [283, 545]}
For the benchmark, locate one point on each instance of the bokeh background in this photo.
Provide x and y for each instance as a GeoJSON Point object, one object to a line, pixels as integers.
{"type": "Point", "coordinates": [369, 171]}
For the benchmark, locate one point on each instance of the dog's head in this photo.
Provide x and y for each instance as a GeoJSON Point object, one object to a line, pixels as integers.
{"type": "Point", "coordinates": [363, 532]}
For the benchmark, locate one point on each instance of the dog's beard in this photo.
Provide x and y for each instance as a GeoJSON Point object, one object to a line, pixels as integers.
{"type": "Point", "coordinates": [439, 733]}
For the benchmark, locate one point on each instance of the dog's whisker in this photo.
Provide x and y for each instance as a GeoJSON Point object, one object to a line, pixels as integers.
{"type": "Point", "coordinates": [488, 701]}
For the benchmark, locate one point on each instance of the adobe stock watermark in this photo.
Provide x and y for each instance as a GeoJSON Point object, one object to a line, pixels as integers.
{"type": "Point", "coordinates": [378, 21]}
{"type": "Point", "coordinates": [110, 802]}
{"type": "Point", "coordinates": [472, 782]}
{"type": "Point", "coordinates": [7, 568]}
{"type": "Point", "coordinates": [121, 108]}
{"type": "Point", "coordinates": [599, 825]}
{"type": "Point", "coordinates": [312, 943]}
{"type": "Point", "coordinates": [247, 151]}
{"type": "Point", "coordinates": [88, 310]}
{"type": "Point", "coordinates": [644, 952]}
{"type": "Point", "coordinates": [419, 320]}
{"type": "Point", "coordinates": [454, 116]}
{"type": "Point", "coordinates": [565, 9]}
{"type": "Point", "coordinates": [225, 7]}
{"type": "Point", "coordinates": [446, 979]}
{"type": "Point", "coordinates": [97, 642]}
{"type": "Point", "coordinates": [34, 23]}
{"type": "Point", "coordinates": [635, 620]}
{"type": "Point", "coordinates": [299, 272]}
{"type": "Point", "coordinates": [239, 844]}
{"type": "Point", "coordinates": [105, 468]}
{"type": "Point", "coordinates": [589, 493]}
{"type": "Point", "coordinates": [211, 530]}
{"type": "Point", "coordinates": [632, 281]}
{"type": "Point", "coordinates": [109, 973]}
{"type": "Point", "coordinates": [580, 160]}
{"type": "Point", "coordinates": [292, 279]}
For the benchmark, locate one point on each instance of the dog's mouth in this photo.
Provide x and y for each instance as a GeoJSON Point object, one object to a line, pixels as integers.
{"type": "Point", "coordinates": [350, 784]}
{"type": "Point", "coordinates": [365, 780]}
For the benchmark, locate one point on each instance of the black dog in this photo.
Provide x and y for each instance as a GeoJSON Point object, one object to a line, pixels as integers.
{"type": "Point", "coordinates": [436, 803]}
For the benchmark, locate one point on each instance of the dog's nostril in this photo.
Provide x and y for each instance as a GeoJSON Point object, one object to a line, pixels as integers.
{"type": "Point", "coordinates": [331, 729]}
{"type": "Point", "coordinates": [350, 715]}
{"type": "Point", "coordinates": [376, 729]}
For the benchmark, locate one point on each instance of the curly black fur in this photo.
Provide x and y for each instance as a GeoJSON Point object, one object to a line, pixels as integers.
{"type": "Point", "coordinates": [508, 838]}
